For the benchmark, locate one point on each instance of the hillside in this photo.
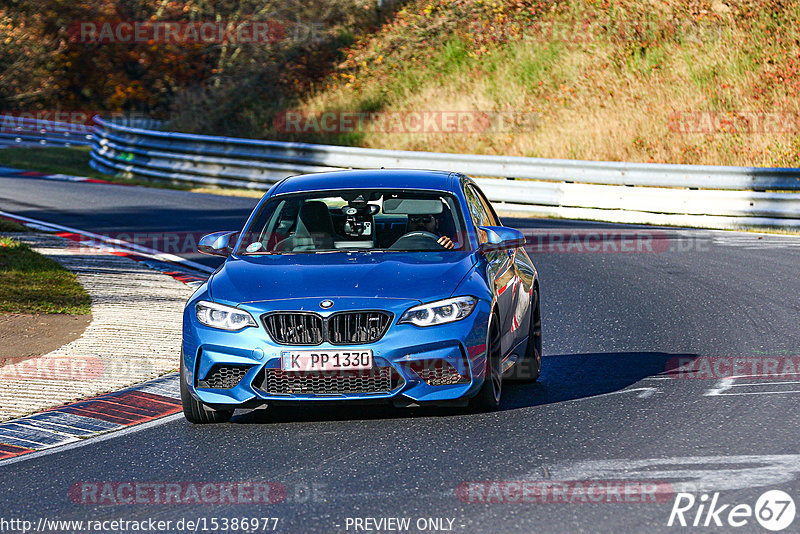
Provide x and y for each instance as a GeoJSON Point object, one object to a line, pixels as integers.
{"type": "Point", "coordinates": [679, 81]}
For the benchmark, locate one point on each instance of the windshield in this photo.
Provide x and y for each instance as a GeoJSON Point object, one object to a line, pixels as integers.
{"type": "Point", "coordinates": [356, 220]}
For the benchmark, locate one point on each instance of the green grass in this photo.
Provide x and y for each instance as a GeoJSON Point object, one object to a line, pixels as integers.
{"type": "Point", "coordinates": [74, 161]}
{"type": "Point", "coordinates": [32, 283]}
{"type": "Point", "coordinates": [11, 226]}
{"type": "Point", "coordinates": [56, 160]}
{"type": "Point", "coordinates": [536, 63]}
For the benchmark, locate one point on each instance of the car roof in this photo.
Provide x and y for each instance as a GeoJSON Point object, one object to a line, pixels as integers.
{"type": "Point", "coordinates": [367, 179]}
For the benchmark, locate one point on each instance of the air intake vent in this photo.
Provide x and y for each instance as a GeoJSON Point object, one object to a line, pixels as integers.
{"type": "Point", "coordinates": [224, 376]}
{"type": "Point", "coordinates": [438, 373]}
{"type": "Point", "coordinates": [375, 380]}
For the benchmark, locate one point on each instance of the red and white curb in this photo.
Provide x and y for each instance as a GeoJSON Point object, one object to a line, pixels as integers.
{"type": "Point", "coordinates": [117, 246]}
{"type": "Point", "coordinates": [144, 404]}
{"type": "Point", "coordinates": [184, 270]}
{"type": "Point", "coordinates": [12, 172]}
{"type": "Point", "coordinates": [80, 420]}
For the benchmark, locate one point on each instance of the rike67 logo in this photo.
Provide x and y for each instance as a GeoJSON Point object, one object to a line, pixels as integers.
{"type": "Point", "coordinates": [774, 510]}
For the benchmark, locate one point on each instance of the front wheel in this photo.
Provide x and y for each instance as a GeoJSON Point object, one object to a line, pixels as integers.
{"type": "Point", "coordinates": [528, 369]}
{"type": "Point", "coordinates": [198, 412]}
{"type": "Point", "coordinates": [488, 398]}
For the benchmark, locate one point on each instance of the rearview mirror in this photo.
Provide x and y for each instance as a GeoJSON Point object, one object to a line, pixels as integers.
{"type": "Point", "coordinates": [501, 238]}
{"type": "Point", "coordinates": [217, 244]}
{"type": "Point", "coordinates": [412, 206]}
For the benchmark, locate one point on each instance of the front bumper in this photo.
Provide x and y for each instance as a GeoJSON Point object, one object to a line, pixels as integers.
{"type": "Point", "coordinates": [407, 351]}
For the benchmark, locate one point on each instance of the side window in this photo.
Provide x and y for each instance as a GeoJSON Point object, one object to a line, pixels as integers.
{"type": "Point", "coordinates": [487, 207]}
{"type": "Point", "coordinates": [480, 215]}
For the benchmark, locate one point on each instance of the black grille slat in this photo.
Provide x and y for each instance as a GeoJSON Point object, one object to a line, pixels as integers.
{"type": "Point", "coordinates": [357, 327]}
{"type": "Point", "coordinates": [308, 326]}
{"type": "Point", "coordinates": [222, 376]}
{"type": "Point", "coordinates": [375, 380]}
{"type": "Point", "coordinates": [343, 328]}
{"type": "Point", "coordinates": [294, 328]}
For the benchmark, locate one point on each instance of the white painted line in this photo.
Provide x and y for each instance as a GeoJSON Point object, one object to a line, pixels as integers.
{"type": "Point", "coordinates": [90, 441]}
{"type": "Point", "coordinates": [133, 247]}
{"type": "Point", "coordinates": [725, 384]}
{"type": "Point", "coordinates": [779, 382]}
{"type": "Point", "coordinates": [35, 434]}
{"type": "Point", "coordinates": [64, 177]}
{"type": "Point", "coordinates": [643, 393]}
{"type": "Point", "coordinates": [53, 427]}
{"type": "Point", "coordinates": [71, 421]}
{"type": "Point", "coordinates": [758, 393]}
{"type": "Point", "coordinates": [687, 473]}
{"type": "Point", "coordinates": [9, 439]}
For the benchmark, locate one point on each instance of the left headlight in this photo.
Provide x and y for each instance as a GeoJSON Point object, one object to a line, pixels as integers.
{"type": "Point", "coordinates": [439, 312]}
{"type": "Point", "coordinates": [221, 316]}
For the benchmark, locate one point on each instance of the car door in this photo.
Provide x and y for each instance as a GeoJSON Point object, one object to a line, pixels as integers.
{"type": "Point", "coordinates": [523, 278]}
{"type": "Point", "coordinates": [500, 269]}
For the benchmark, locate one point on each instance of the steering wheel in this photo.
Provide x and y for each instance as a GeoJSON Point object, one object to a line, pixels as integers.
{"type": "Point", "coordinates": [417, 240]}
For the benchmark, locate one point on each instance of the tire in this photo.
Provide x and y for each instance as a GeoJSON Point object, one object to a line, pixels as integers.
{"type": "Point", "coordinates": [528, 370]}
{"type": "Point", "coordinates": [489, 396]}
{"type": "Point", "coordinates": [198, 412]}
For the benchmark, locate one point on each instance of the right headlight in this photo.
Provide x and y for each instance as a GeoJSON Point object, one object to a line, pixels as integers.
{"type": "Point", "coordinates": [221, 316]}
{"type": "Point", "coordinates": [439, 312]}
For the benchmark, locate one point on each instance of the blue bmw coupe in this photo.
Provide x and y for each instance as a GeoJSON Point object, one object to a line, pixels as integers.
{"type": "Point", "coordinates": [393, 286]}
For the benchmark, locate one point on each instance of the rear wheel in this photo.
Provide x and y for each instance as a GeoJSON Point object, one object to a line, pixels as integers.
{"type": "Point", "coordinates": [198, 412]}
{"type": "Point", "coordinates": [488, 398]}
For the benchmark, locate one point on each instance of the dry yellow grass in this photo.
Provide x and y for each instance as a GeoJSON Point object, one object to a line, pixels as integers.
{"type": "Point", "coordinates": [594, 95]}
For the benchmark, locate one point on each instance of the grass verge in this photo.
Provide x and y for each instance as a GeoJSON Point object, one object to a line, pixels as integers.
{"type": "Point", "coordinates": [74, 161]}
{"type": "Point", "coordinates": [32, 283]}
{"type": "Point", "coordinates": [11, 226]}
{"type": "Point", "coordinates": [56, 160]}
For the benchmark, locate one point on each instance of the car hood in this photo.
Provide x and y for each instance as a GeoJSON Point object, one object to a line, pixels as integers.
{"type": "Point", "coordinates": [423, 276]}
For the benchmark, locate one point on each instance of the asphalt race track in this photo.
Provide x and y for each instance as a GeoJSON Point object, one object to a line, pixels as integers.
{"type": "Point", "coordinates": [617, 314]}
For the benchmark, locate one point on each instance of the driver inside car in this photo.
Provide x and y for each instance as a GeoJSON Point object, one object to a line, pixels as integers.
{"type": "Point", "coordinates": [429, 223]}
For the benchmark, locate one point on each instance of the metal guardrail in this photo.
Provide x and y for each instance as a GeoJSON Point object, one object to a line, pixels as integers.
{"type": "Point", "coordinates": [690, 195]}
{"type": "Point", "coordinates": [17, 129]}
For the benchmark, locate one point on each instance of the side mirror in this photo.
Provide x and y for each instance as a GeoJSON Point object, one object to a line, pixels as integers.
{"type": "Point", "coordinates": [217, 244]}
{"type": "Point", "coordinates": [501, 238]}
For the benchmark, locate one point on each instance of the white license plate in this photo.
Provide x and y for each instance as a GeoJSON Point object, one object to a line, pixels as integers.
{"type": "Point", "coordinates": [322, 360]}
